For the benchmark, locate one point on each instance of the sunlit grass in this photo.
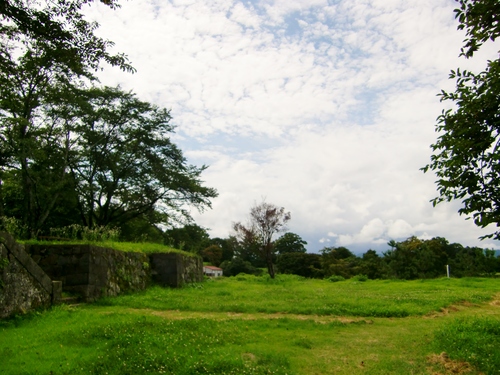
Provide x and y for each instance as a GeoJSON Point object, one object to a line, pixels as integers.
{"type": "Point", "coordinates": [293, 295]}
{"type": "Point", "coordinates": [244, 325]}
{"type": "Point", "coordinates": [137, 247]}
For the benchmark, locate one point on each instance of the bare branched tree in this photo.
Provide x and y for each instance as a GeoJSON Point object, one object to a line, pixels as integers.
{"type": "Point", "coordinates": [266, 220]}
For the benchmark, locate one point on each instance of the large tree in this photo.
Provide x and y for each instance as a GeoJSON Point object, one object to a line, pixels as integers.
{"type": "Point", "coordinates": [124, 164]}
{"type": "Point", "coordinates": [266, 220]}
{"type": "Point", "coordinates": [466, 155]}
{"type": "Point", "coordinates": [64, 141]}
{"type": "Point", "coordinates": [46, 49]}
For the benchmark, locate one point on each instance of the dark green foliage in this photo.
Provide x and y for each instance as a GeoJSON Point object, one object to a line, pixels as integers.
{"type": "Point", "coordinates": [360, 277]}
{"type": "Point", "coordinates": [213, 254]}
{"type": "Point", "coordinates": [335, 278]}
{"type": "Point", "coordinates": [125, 165]}
{"type": "Point", "coordinates": [190, 237]}
{"type": "Point", "coordinates": [374, 266]}
{"type": "Point", "coordinates": [45, 50]}
{"type": "Point", "coordinates": [339, 261]}
{"type": "Point", "coordinates": [237, 266]}
{"type": "Point", "coordinates": [466, 153]}
{"type": "Point", "coordinates": [228, 246]}
{"type": "Point", "coordinates": [474, 261]}
{"type": "Point", "coordinates": [415, 258]}
{"type": "Point", "coordinates": [289, 243]}
{"type": "Point", "coordinates": [302, 264]}
{"type": "Point", "coordinates": [475, 340]}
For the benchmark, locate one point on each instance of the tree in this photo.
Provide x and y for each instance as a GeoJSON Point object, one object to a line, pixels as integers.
{"type": "Point", "coordinates": [373, 266]}
{"type": "Point", "coordinates": [299, 263]}
{"type": "Point", "coordinates": [228, 246]}
{"type": "Point", "coordinates": [290, 243]}
{"type": "Point", "coordinates": [46, 49]}
{"type": "Point", "coordinates": [467, 151]}
{"type": "Point", "coordinates": [125, 165]}
{"type": "Point", "coordinates": [214, 254]}
{"type": "Point", "coordinates": [58, 26]}
{"type": "Point", "coordinates": [266, 220]}
{"type": "Point", "coordinates": [237, 265]}
{"type": "Point", "coordinates": [339, 261]}
{"type": "Point", "coordinates": [190, 237]}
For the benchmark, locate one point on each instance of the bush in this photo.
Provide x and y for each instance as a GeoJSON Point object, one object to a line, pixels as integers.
{"type": "Point", "coordinates": [361, 278]}
{"type": "Point", "coordinates": [336, 278]}
{"type": "Point", "coordinates": [237, 266]}
{"type": "Point", "coordinates": [302, 264]}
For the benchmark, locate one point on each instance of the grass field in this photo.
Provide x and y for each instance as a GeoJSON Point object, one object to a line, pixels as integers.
{"type": "Point", "coordinates": [255, 325]}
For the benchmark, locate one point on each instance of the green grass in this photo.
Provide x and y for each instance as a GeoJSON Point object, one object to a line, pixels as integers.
{"type": "Point", "coordinates": [136, 247]}
{"type": "Point", "coordinates": [473, 339]}
{"type": "Point", "coordinates": [248, 325]}
{"type": "Point", "coordinates": [294, 295]}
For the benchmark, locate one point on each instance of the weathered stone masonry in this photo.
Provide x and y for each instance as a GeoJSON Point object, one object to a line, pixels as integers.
{"type": "Point", "coordinates": [36, 274]}
{"type": "Point", "coordinates": [92, 272]}
{"type": "Point", "coordinates": [24, 286]}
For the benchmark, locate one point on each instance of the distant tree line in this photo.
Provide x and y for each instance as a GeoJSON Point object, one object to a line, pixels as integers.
{"type": "Point", "coordinates": [410, 259]}
{"type": "Point", "coordinates": [253, 248]}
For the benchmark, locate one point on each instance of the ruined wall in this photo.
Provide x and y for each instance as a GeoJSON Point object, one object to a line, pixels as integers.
{"type": "Point", "coordinates": [23, 284]}
{"type": "Point", "coordinates": [33, 276]}
{"type": "Point", "coordinates": [175, 270]}
{"type": "Point", "coordinates": [91, 271]}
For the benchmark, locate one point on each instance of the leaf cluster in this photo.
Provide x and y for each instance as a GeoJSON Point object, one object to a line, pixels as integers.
{"type": "Point", "coordinates": [466, 154]}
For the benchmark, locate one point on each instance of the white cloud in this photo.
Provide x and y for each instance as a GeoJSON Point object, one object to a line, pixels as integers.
{"type": "Point", "coordinates": [325, 108]}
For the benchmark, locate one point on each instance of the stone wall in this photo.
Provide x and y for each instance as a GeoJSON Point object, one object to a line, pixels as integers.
{"type": "Point", "coordinates": [175, 270]}
{"type": "Point", "coordinates": [93, 272]}
{"type": "Point", "coordinates": [35, 275]}
{"type": "Point", "coordinates": [23, 284]}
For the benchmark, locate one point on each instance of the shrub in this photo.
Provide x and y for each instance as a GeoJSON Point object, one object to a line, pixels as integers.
{"type": "Point", "coordinates": [237, 266]}
{"type": "Point", "coordinates": [336, 278]}
{"type": "Point", "coordinates": [361, 278]}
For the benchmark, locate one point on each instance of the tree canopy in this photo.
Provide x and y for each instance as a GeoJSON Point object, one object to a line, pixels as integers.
{"type": "Point", "coordinates": [266, 220]}
{"type": "Point", "coordinates": [290, 243]}
{"type": "Point", "coordinates": [467, 152]}
{"type": "Point", "coordinates": [71, 151]}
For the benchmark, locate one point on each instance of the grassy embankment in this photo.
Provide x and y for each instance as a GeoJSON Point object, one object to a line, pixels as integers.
{"type": "Point", "coordinates": [136, 247]}
{"type": "Point", "coordinates": [254, 325]}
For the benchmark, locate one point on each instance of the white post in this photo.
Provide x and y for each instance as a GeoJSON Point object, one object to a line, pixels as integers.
{"type": "Point", "coordinates": [448, 270]}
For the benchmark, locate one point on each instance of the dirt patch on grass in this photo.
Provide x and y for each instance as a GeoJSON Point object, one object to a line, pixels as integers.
{"type": "Point", "coordinates": [176, 314]}
{"type": "Point", "coordinates": [444, 311]}
{"type": "Point", "coordinates": [496, 300]}
{"type": "Point", "coordinates": [448, 366]}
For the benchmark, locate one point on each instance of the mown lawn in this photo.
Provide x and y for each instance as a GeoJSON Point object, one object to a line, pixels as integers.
{"type": "Point", "coordinates": [253, 325]}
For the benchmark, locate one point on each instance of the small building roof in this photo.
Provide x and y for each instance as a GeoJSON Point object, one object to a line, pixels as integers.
{"type": "Point", "coordinates": [213, 268]}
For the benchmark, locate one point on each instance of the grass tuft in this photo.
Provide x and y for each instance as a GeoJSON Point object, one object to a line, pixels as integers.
{"type": "Point", "coordinates": [475, 340]}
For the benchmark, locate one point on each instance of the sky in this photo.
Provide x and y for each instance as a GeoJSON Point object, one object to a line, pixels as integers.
{"type": "Point", "coordinates": [325, 107]}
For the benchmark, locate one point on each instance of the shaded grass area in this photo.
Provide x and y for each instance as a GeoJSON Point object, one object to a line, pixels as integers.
{"type": "Point", "coordinates": [293, 295]}
{"type": "Point", "coordinates": [136, 247]}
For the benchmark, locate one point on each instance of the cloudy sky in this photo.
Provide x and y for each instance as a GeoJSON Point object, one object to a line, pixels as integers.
{"type": "Point", "coordinates": [324, 107]}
